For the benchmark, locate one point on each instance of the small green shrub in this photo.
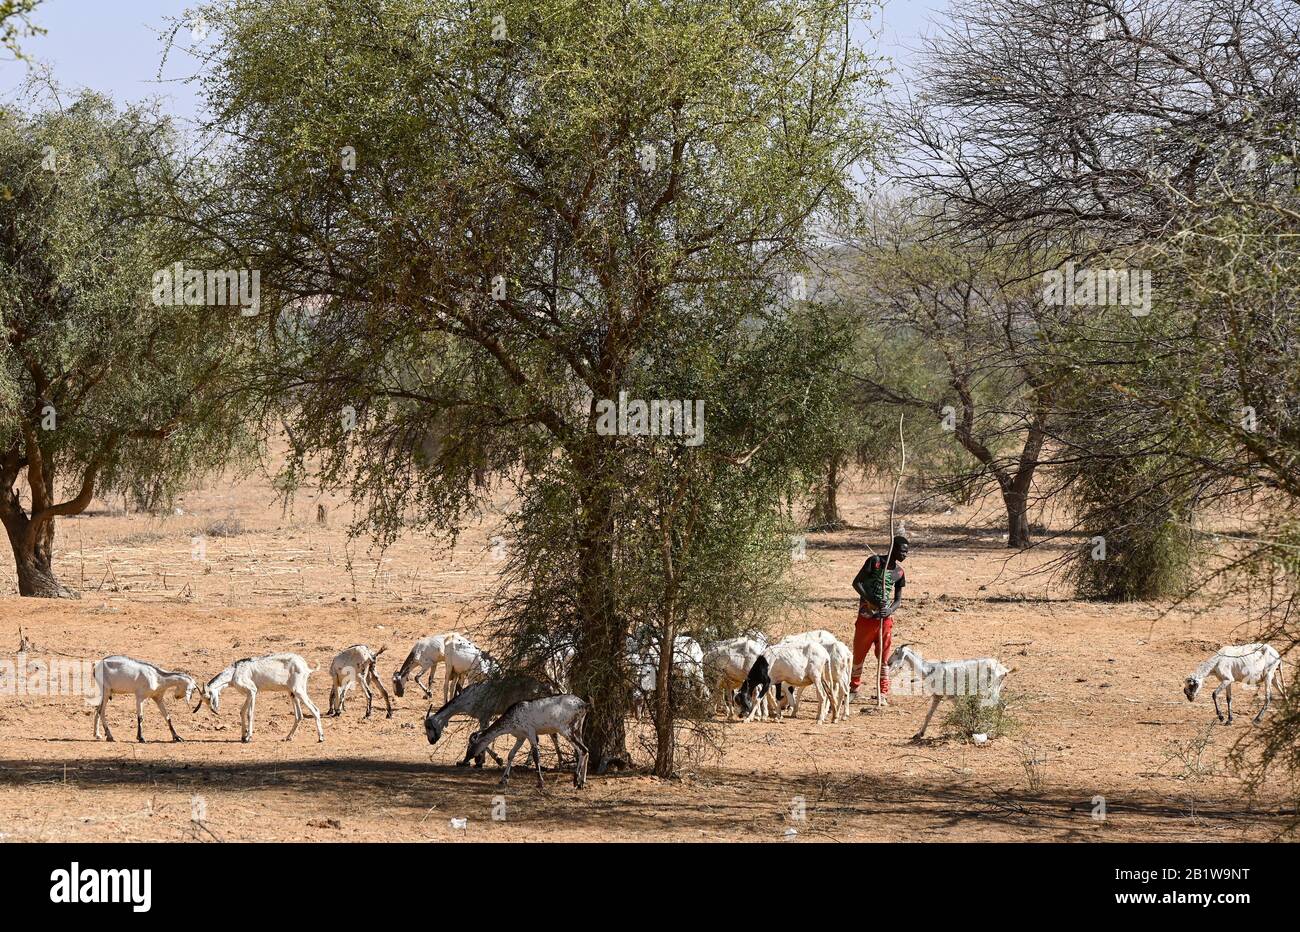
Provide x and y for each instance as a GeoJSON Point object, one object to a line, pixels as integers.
{"type": "Point", "coordinates": [973, 715]}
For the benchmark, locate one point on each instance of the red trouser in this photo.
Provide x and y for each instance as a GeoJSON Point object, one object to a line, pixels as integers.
{"type": "Point", "coordinates": [865, 639]}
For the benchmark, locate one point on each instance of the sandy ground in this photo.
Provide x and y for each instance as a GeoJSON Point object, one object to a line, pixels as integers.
{"type": "Point", "coordinates": [1095, 690]}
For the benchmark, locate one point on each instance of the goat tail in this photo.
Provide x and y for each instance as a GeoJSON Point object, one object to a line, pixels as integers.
{"type": "Point", "coordinates": [380, 651]}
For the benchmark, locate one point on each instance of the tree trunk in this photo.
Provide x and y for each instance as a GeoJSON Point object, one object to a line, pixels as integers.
{"type": "Point", "coordinates": [826, 513]}
{"type": "Point", "coordinates": [1017, 504]}
{"type": "Point", "coordinates": [599, 661]}
{"type": "Point", "coordinates": [665, 733]}
{"type": "Point", "coordinates": [33, 560]}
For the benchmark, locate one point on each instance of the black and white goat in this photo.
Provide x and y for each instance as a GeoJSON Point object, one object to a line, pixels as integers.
{"type": "Point", "coordinates": [841, 665]}
{"type": "Point", "coordinates": [484, 701]}
{"type": "Point", "coordinates": [794, 664]}
{"type": "Point", "coordinates": [525, 721]}
{"type": "Point", "coordinates": [1251, 664]}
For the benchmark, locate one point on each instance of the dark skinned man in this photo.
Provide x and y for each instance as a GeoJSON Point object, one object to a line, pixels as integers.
{"type": "Point", "coordinates": [879, 585]}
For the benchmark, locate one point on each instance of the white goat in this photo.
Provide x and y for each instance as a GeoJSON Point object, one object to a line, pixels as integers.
{"type": "Point", "coordinates": [1251, 664]}
{"type": "Point", "coordinates": [795, 664]}
{"type": "Point", "coordinates": [272, 673]}
{"type": "Point", "coordinates": [727, 663]}
{"type": "Point", "coordinates": [820, 636]}
{"type": "Point", "coordinates": [555, 715]}
{"type": "Point", "coordinates": [121, 675]}
{"type": "Point", "coordinates": [425, 655]}
{"type": "Point", "coordinates": [356, 665]}
{"type": "Point", "coordinates": [948, 679]}
{"type": "Point", "coordinates": [465, 662]}
{"type": "Point", "coordinates": [687, 663]}
{"type": "Point", "coordinates": [841, 664]}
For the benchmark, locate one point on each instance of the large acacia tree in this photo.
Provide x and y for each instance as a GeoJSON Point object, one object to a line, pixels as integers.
{"type": "Point", "coordinates": [479, 221]}
{"type": "Point", "coordinates": [971, 312]}
{"type": "Point", "coordinates": [99, 387]}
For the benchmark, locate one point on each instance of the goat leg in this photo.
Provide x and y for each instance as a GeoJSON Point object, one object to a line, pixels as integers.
{"type": "Point", "coordinates": [579, 761]}
{"type": "Point", "coordinates": [370, 696]}
{"type": "Point", "coordinates": [297, 716]}
{"type": "Point", "coordinates": [167, 716]}
{"type": "Point", "coordinates": [510, 760]}
{"type": "Point", "coordinates": [103, 705]}
{"type": "Point", "coordinates": [537, 761]}
{"type": "Point", "coordinates": [928, 715]}
{"type": "Point", "coordinates": [379, 684]}
{"type": "Point", "coordinates": [1268, 698]}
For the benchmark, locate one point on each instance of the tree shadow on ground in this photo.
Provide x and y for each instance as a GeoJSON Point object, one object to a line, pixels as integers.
{"type": "Point", "coordinates": [750, 806]}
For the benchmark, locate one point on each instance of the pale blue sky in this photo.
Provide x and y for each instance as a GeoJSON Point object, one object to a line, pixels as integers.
{"type": "Point", "coordinates": [115, 46]}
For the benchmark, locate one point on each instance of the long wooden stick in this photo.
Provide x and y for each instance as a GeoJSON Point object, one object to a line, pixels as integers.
{"type": "Point", "coordinates": [880, 630]}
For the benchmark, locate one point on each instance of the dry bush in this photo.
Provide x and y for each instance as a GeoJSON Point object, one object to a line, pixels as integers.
{"type": "Point", "coordinates": [225, 527]}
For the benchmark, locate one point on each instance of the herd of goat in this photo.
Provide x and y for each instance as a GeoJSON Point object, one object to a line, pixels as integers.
{"type": "Point", "coordinates": [747, 675]}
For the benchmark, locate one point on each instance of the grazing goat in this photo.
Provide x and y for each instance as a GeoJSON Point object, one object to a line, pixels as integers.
{"type": "Point", "coordinates": [484, 701]}
{"type": "Point", "coordinates": [555, 715]}
{"type": "Point", "coordinates": [123, 675]}
{"type": "Point", "coordinates": [948, 679]}
{"type": "Point", "coordinates": [356, 665]}
{"type": "Point", "coordinates": [794, 664]}
{"type": "Point", "coordinates": [427, 653]}
{"type": "Point", "coordinates": [687, 662]}
{"type": "Point", "coordinates": [272, 673]}
{"type": "Point", "coordinates": [1251, 664]}
{"type": "Point", "coordinates": [841, 664]}
{"type": "Point", "coordinates": [727, 663]}
{"type": "Point", "coordinates": [465, 663]}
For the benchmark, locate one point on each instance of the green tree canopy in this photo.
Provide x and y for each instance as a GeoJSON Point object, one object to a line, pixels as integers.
{"type": "Point", "coordinates": [479, 223]}
{"type": "Point", "coordinates": [99, 387]}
